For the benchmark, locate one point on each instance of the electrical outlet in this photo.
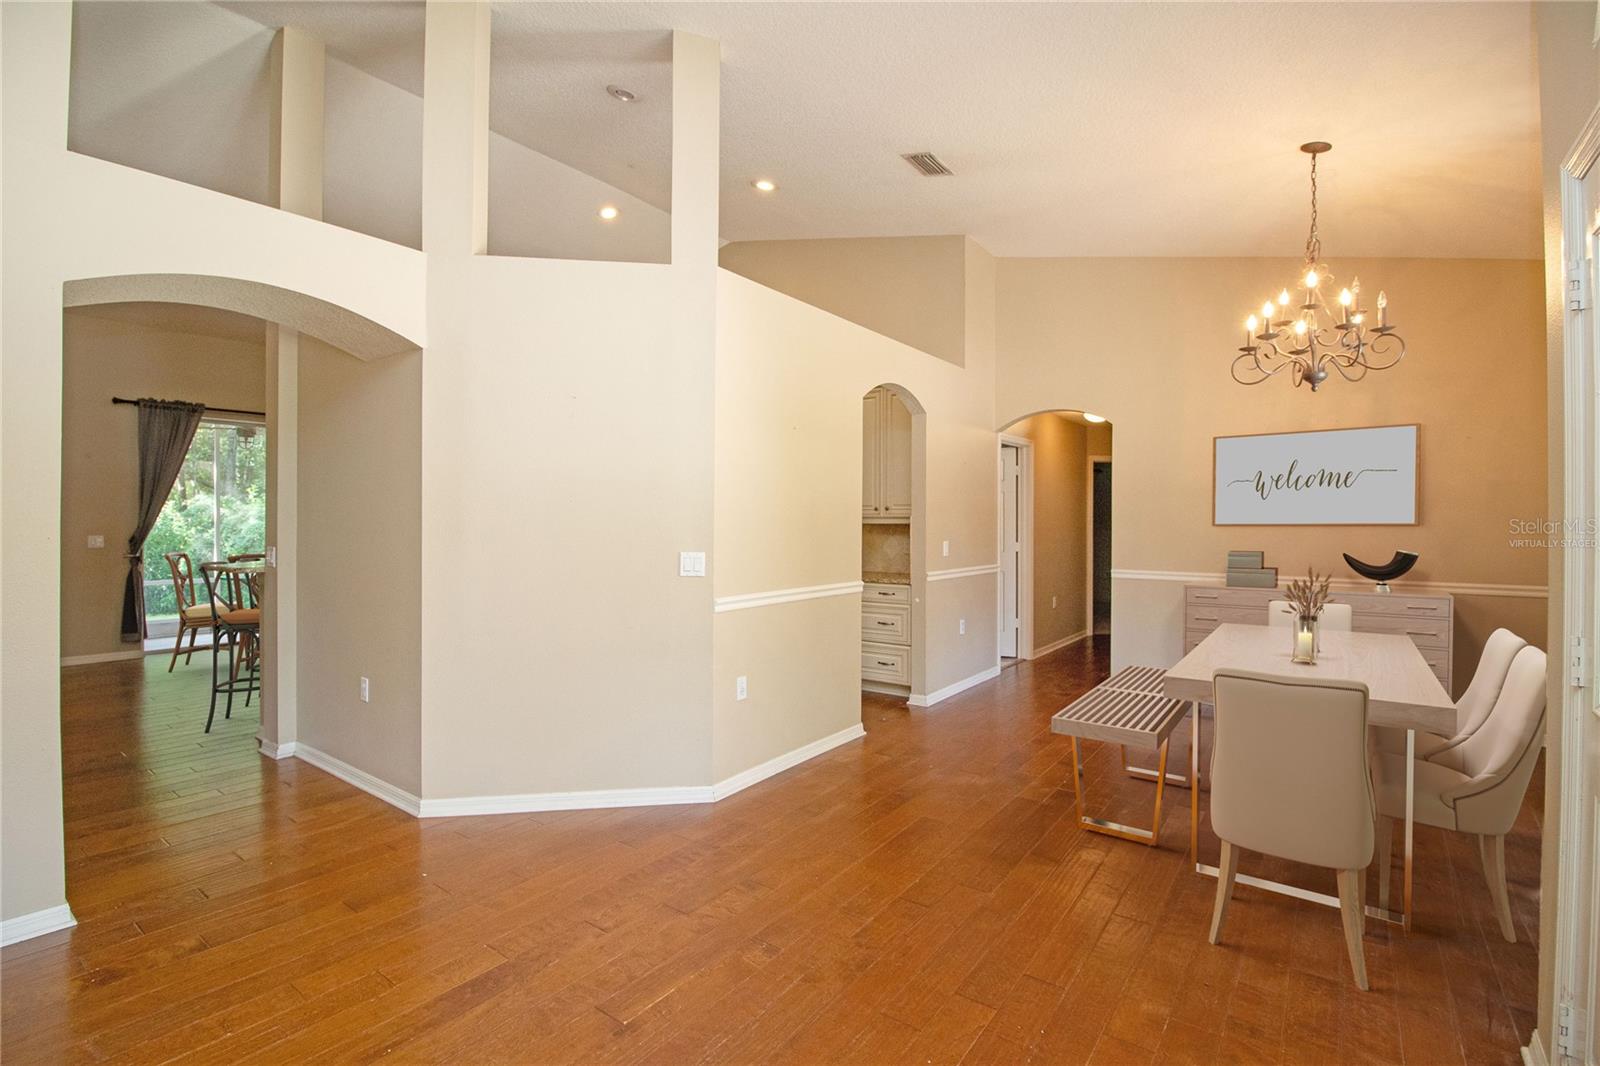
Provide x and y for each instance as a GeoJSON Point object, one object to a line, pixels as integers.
{"type": "Point", "coordinates": [963, 627]}
{"type": "Point", "coordinates": [366, 691]}
{"type": "Point", "coordinates": [1052, 603]}
{"type": "Point", "coordinates": [947, 549]}
{"type": "Point", "coordinates": [97, 540]}
{"type": "Point", "coordinates": [272, 555]}
{"type": "Point", "coordinates": [741, 687]}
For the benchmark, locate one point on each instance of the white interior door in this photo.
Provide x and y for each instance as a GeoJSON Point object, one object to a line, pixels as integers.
{"type": "Point", "coordinates": [1577, 1035]}
{"type": "Point", "coordinates": [1010, 548]}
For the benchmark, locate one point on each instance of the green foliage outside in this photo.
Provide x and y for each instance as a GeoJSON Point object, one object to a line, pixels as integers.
{"type": "Point", "coordinates": [218, 507]}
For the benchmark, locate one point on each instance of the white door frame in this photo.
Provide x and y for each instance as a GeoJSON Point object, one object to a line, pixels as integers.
{"type": "Point", "coordinates": [1577, 910]}
{"type": "Point", "coordinates": [1088, 541]}
{"type": "Point", "coordinates": [1024, 448]}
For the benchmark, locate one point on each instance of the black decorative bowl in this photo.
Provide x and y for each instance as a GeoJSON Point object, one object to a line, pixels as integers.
{"type": "Point", "coordinates": [1383, 573]}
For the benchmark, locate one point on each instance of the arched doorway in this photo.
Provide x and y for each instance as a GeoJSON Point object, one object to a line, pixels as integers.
{"type": "Point", "coordinates": [1055, 539]}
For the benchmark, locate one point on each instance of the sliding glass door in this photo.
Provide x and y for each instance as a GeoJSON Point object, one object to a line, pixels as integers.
{"type": "Point", "coordinates": [218, 508]}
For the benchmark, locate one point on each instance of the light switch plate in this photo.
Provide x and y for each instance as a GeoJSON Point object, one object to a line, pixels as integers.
{"type": "Point", "coordinates": [97, 540]}
{"type": "Point", "coordinates": [272, 555]}
{"type": "Point", "coordinates": [691, 564]}
{"type": "Point", "coordinates": [366, 691]}
{"type": "Point", "coordinates": [963, 627]}
{"type": "Point", "coordinates": [947, 549]}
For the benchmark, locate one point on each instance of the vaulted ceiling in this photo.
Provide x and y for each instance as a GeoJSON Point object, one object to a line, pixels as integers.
{"type": "Point", "coordinates": [1166, 129]}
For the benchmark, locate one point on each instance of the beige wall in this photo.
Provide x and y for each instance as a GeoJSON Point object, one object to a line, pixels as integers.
{"type": "Point", "coordinates": [1060, 513]}
{"type": "Point", "coordinates": [102, 358]}
{"type": "Point", "coordinates": [908, 288]}
{"type": "Point", "coordinates": [788, 516]}
{"type": "Point", "coordinates": [1569, 91]}
{"type": "Point", "coordinates": [359, 540]}
{"type": "Point", "coordinates": [1085, 334]}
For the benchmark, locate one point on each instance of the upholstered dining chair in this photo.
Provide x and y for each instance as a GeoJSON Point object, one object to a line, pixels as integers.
{"type": "Point", "coordinates": [1267, 796]}
{"type": "Point", "coordinates": [1476, 785]}
{"type": "Point", "coordinates": [1336, 617]}
{"type": "Point", "coordinates": [231, 626]}
{"type": "Point", "coordinates": [192, 616]}
{"type": "Point", "coordinates": [1472, 709]}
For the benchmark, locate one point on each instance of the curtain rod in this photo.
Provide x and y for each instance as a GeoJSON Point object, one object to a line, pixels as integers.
{"type": "Point", "coordinates": [213, 410]}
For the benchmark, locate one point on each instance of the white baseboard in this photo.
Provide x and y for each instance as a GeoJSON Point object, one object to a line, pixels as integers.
{"type": "Point", "coordinates": [593, 799]}
{"type": "Point", "coordinates": [945, 693]}
{"type": "Point", "coordinates": [28, 926]}
{"type": "Point", "coordinates": [376, 786]}
{"type": "Point", "coordinates": [1533, 1054]}
{"type": "Point", "coordinates": [524, 803]}
{"type": "Point", "coordinates": [103, 657]}
{"type": "Point", "coordinates": [789, 759]}
{"type": "Point", "coordinates": [277, 751]}
{"type": "Point", "coordinates": [1039, 653]}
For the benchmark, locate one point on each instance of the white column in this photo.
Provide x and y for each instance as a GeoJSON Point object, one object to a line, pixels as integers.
{"type": "Point", "coordinates": [296, 168]}
{"type": "Point", "coordinates": [455, 128]}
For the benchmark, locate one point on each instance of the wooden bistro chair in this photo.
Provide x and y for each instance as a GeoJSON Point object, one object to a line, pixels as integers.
{"type": "Point", "coordinates": [192, 616]}
{"type": "Point", "coordinates": [1131, 719]}
{"type": "Point", "coordinates": [1289, 777]}
{"type": "Point", "coordinates": [230, 625]}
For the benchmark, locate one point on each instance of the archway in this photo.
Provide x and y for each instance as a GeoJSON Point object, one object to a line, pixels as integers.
{"type": "Point", "coordinates": [893, 563]}
{"type": "Point", "coordinates": [1055, 550]}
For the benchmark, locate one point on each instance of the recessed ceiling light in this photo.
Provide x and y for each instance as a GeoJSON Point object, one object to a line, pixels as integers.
{"type": "Point", "coordinates": [622, 94]}
{"type": "Point", "coordinates": [764, 185]}
{"type": "Point", "coordinates": [1087, 417]}
{"type": "Point", "coordinates": [608, 213]}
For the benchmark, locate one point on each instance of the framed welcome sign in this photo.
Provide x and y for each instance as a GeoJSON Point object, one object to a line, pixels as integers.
{"type": "Point", "coordinates": [1330, 477]}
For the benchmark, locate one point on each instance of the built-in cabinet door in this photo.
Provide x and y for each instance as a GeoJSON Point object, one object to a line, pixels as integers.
{"type": "Point", "coordinates": [895, 495]}
{"type": "Point", "coordinates": [871, 454]}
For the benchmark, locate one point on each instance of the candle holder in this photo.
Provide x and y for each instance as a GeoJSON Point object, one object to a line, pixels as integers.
{"type": "Point", "coordinates": [1305, 640]}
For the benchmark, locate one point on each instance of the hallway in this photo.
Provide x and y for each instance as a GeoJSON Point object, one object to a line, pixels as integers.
{"type": "Point", "coordinates": [922, 895]}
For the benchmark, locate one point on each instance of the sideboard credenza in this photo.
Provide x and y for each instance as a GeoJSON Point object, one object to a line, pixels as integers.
{"type": "Point", "coordinates": [1427, 620]}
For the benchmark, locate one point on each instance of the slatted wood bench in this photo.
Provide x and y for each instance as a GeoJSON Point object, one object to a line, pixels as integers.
{"type": "Point", "coordinates": [1145, 679]}
{"type": "Point", "coordinates": [1128, 710]}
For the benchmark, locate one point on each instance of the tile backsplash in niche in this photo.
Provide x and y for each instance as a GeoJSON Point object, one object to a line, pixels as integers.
{"type": "Point", "coordinates": [886, 549]}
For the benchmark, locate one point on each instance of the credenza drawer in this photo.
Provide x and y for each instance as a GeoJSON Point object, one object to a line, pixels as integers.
{"type": "Point", "coordinates": [886, 594]}
{"type": "Point", "coordinates": [1424, 632]}
{"type": "Point", "coordinates": [1203, 616]}
{"type": "Point", "coordinates": [1399, 606]}
{"type": "Point", "coordinates": [886, 662]}
{"type": "Point", "coordinates": [886, 623]}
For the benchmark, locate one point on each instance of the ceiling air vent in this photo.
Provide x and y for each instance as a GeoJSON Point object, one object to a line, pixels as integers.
{"type": "Point", "coordinates": [928, 164]}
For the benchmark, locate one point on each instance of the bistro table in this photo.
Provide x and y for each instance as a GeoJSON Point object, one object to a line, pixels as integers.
{"type": "Point", "coordinates": [1403, 693]}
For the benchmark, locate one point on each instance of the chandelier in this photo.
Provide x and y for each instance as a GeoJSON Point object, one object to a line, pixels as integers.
{"type": "Point", "coordinates": [1310, 338]}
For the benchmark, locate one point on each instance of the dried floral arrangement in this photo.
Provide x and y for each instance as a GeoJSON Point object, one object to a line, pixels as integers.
{"type": "Point", "coordinates": [1308, 595]}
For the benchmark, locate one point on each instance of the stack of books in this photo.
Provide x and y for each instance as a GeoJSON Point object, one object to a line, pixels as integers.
{"type": "Point", "coordinates": [1245, 571]}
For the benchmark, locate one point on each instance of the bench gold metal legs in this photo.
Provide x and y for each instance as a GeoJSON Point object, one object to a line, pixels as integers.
{"type": "Point", "coordinates": [1117, 829]}
{"type": "Point", "coordinates": [1145, 774]}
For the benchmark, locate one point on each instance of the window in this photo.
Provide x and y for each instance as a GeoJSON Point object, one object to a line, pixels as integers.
{"type": "Point", "coordinates": [217, 508]}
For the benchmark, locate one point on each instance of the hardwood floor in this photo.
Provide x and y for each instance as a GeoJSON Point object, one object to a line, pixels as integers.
{"type": "Point", "coordinates": [920, 896]}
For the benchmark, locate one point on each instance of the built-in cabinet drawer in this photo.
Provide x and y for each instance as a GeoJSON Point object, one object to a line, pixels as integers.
{"type": "Point", "coordinates": [886, 662]}
{"type": "Point", "coordinates": [886, 594]}
{"type": "Point", "coordinates": [886, 623]}
{"type": "Point", "coordinates": [1210, 616]}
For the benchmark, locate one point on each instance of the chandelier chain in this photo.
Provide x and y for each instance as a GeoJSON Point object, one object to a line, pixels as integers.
{"type": "Point", "coordinates": [1313, 242]}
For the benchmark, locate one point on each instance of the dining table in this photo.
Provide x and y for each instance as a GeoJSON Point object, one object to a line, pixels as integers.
{"type": "Point", "coordinates": [1403, 693]}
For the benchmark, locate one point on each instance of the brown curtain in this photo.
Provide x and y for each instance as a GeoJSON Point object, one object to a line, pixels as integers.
{"type": "Point", "coordinates": [166, 429]}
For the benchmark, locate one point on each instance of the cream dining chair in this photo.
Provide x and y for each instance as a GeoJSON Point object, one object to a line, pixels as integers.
{"type": "Point", "coordinates": [1266, 798]}
{"type": "Point", "coordinates": [1477, 785]}
{"type": "Point", "coordinates": [1336, 617]}
{"type": "Point", "coordinates": [1472, 709]}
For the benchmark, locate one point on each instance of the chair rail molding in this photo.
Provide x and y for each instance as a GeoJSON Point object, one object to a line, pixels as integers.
{"type": "Point", "coordinates": [963, 571]}
{"type": "Point", "coordinates": [1348, 584]}
{"type": "Point", "coordinates": [746, 600]}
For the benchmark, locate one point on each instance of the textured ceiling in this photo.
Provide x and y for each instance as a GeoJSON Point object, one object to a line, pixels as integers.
{"type": "Point", "coordinates": [180, 318]}
{"type": "Point", "coordinates": [1073, 129]}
